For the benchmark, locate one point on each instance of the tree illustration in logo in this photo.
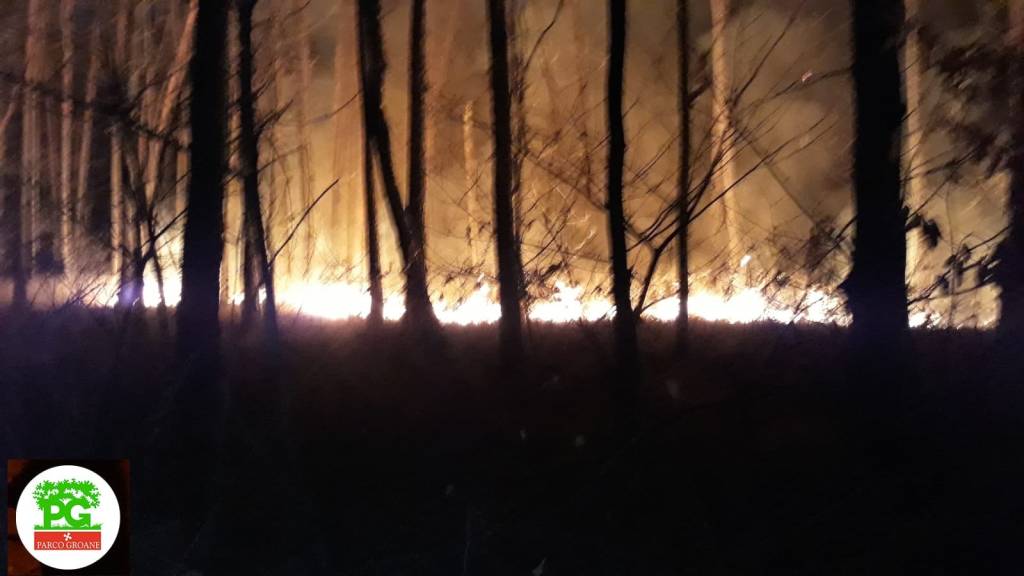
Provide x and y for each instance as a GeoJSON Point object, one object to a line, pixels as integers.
{"type": "Point", "coordinates": [63, 504]}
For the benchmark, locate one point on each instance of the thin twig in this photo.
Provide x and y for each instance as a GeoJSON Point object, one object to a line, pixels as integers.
{"type": "Point", "coordinates": [301, 220]}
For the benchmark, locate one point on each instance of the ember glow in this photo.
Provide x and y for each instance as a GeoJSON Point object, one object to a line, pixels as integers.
{"type": "Point", "coordinates": [568, 303]}
{"type": "Point", "coordinates": [339, 301]}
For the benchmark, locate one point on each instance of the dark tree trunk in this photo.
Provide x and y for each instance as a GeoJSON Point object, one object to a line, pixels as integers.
{"type": "Point", "coordinates": [517, 76]}
{"type": "Point", "coordinates": [124, 202]}
{"type": "Point", "coordinates": [1010, 271]}
{"type": "Point", "coordinates": [136, 214]}
{"type": "Point", "coordinates": [198, 322]}
{"type": "Point", "coordinates": [510, 327]}
{"type": "Point", "coordinates": [878, 377]}
{"type": "Point", "coordinates": [255, 234]}
{"type": "Point", "coordinates": [29, 193]}
{"type": "Point", "coordinates": [875, 289]}
{"type": "Point", "coordinates": [250, 280]}
{"type": "Point", "coordinates": [194, 433]}
{"type": "Point", "coordinates": [626, 351]}
{"type": "Point", "coordinates": [682, 194]}
{"type": "Point", "coordinates": [419, 312]}
{"type": "Point", "coordinates": [417, 296]}
{"type": "Point", "coordinates": [12, 190]}
{"type": "Point", "coordinates": [376, 316]}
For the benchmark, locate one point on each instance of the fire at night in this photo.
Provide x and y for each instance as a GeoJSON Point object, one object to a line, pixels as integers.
{"type": "Point", "coordinates": [766, 249]}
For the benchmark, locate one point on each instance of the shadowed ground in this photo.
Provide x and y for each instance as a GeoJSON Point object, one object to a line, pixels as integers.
{"type": "Point", "coordinates": [373, 455]}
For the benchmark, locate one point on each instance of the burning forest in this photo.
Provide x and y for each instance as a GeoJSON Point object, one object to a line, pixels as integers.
{"type": "Point", "coordinates": [468, 247]}
{"type": "Point", "coordinates": [769, 206]}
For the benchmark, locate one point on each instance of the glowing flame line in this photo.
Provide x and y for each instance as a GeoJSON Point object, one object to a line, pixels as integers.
{"type": "Point", "coordinates": [345, 300]}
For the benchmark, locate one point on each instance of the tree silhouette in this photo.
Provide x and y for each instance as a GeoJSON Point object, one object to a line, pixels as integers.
{"type": "Point", "coordinates": [256, 260]}
{"type": "Point", "coordinates": [406, 218]}
{"type": "Point", "coordinates": [875, 288]}
{"type": "Point", "coordinates": [373, 271]}
{"type": "Point", "coordinates": [683, 193]}
{"type": "Point", "coordinates": [626, 351]}
{"type": "Point", "coordinates": [12, 193]}
{"type": "Point", "coordinates": [1010, 254]}
{"type": "Point", "coordinates": [510, 328]}
{"type": "Point", "coordinates": [417, 293]}
{"type": "Point", "coordinates": [199, 310]}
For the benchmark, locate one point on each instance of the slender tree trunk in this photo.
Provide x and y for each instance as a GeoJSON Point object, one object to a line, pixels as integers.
{"type": "Point", "coordinates": [30, 157]}
{"type": "Point", "coordinates": [159, 112]}
{"type": "Point", "coordinates": [345, 224]}
{"type": "Point", "coordinates": [195, 432]}
{"type": "Point", "coordinates": [135, 218]}
{"type": "Point", "coordinates": [117, 204]}
{"type": "Point", "coordinates": [119, 234]}
{"type": "Point", "coordinates": [419, 313]}
{"type": "Point", "coordinates": [876, 289]}
{"type": "Point", "coordinates": [305, 62]}
{"type": "Point", "coordinates": [69, 209]}
{"type": "Point", "coordinates": [51, 244]}
{"type": "Point", "coordinates": [510, 327]}
{"type": "Point", "coordinates": [1010, 273]}
{"type": "Point", "coordinates": [178, 18]}
{"type": "Point", "coordinates": [250, 279]}
{"type": "Point", "coordinates": [198, 313]}
{"type": "Point", "coordinates": [256, 241]}
{"type": "Point", "coordinates": [417, 293]}
{"type": "Point", "coordinates": [88, 118]}
{"type": "Point", "coordinates": [517, 75]}
{"type": "Point", "coordinates": [10, 113]}
{"type": "Point", "coordinates": [446, 25]}
{"type": "Point", "coordinates": [682, 194]}
{"type": "Point", "coordinates": [140, 82]}
{"type": "Point", "coordinates": [626, 347]}
{"type": "Point", "coordinates": [723, 133]}
{"type": "Point", "coordinates": [12, 189]}
{"type": "Point", "coordinates": [472, 172]}
{"type": "Point", "coordinates": [163, 115]}
{"type": "Point", "coordinates": [340, 141]}
{"type": "Point", "coordinates": [373, 271]}
{"type": "Point", "coordinates": [235, 249]}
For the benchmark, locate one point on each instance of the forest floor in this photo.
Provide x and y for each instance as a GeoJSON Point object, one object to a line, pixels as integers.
{"type": "Point", "coordinates": [374, 453]}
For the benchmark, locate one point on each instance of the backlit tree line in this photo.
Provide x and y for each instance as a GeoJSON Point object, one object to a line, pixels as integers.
{"type": "Point", "coordinates": [116, 138]}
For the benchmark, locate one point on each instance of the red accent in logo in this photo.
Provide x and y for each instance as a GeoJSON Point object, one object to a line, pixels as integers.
{"type": "Point", "coordinates": [68, 540]}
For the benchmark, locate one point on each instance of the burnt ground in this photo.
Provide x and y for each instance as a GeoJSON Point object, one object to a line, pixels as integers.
{"type": "Point", "coordinates": [381, 454]}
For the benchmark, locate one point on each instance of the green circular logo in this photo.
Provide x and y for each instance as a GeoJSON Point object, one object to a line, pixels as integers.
{"type": "Point", "coordinates": [68, 517]}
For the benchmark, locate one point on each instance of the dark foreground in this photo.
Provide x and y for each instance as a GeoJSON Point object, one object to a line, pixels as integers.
{"type": "Point", "coordinates": [379, 454]}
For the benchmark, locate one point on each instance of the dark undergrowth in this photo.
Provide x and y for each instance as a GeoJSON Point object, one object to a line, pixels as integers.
{"type": "Point", "coordinates": [377, 453]}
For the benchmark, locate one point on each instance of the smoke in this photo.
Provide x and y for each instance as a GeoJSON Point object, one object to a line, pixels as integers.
{"type": "Point", "coordinates": [793, 113]}
{"type": "Point", "coordinates": [792, 106]}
